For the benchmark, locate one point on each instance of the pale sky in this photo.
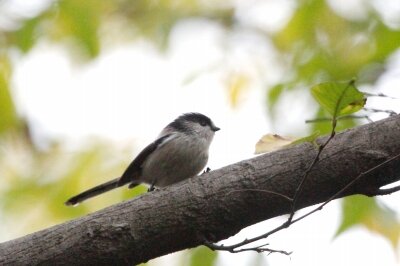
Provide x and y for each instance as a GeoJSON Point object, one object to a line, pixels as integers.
{"type": "Point", "coordinates": [132, 91]}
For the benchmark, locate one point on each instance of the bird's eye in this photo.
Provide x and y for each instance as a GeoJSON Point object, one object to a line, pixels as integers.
{"type": "Point", "coordinates": [203, 123]}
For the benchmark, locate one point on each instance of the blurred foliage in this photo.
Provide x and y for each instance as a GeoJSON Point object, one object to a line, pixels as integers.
{"type": "Point", "coordinates": [37, 182]}
{"type": "Point", "coordinates": [85, 24]}
{"type": "Point", "coordinates": [323, 46]}
{"type": "Point", "coordinates": [367, 212]}
{"type": "Point", "coordinates": [318, 45]}
{"type": "Point", "coordinates": [237, 84]}
{"type": "Point", "coordinates": [8, 118]}
{"type": "Point", "coordinates": [315, 45]}
{"type": "Point", "coordinates": [201, 256]}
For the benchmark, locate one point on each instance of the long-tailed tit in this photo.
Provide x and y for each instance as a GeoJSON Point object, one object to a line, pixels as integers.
{"type": "Point", "coordinates": [179, 152]}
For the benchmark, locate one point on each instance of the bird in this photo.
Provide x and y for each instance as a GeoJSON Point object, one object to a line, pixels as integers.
{"type": "Point", "coordinates": [179, 152]}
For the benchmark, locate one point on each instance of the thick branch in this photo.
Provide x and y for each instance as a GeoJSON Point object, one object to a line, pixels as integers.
{"type": "Point", "coordinates": [216, 205]}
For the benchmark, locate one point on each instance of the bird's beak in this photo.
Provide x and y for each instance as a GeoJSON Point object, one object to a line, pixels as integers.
{"type": "Point", "coordinates": [214, 128]}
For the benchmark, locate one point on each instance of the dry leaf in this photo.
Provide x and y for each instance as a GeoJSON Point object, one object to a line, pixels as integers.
{"type": "Point", "coordinates": [272, 142]}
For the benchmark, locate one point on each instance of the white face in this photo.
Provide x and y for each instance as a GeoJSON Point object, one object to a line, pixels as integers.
{"type": "Point", "coordinates": [203, 131]}
{"type": "Point", "coordinates": [193, 125]}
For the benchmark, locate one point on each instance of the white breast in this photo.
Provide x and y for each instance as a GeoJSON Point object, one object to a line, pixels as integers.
{"type": "Point", "coordinates": [177, 159]}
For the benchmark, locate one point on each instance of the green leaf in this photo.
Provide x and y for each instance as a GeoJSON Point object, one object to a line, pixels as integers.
{"type": "Point", "coordinates": [310, 138]}
{"type": "Point", "coordinates": [335, 48]}
{"type": "Point", "coordinates": [81, 21]}
{"type": "Point", "coordinates": [8, 118]}
{"type": "Point", "coordinates": [338, 99]}
{"type": "Point", "coordinates": [366, 212]}
{"type": "Point", "coordinates": [274, 94]}
{"type": "Point", "coordinates": [25, 37]}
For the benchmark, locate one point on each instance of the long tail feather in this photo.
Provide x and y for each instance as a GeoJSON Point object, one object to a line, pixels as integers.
{"type": "Point", "coordinates": [97, 190]}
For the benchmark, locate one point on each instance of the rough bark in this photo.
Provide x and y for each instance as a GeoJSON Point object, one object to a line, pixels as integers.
{"type": "Point", "coordinates": [215, 205]}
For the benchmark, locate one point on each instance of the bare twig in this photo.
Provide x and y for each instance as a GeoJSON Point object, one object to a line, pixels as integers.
{"type": "Point", "coordinates": [262, 248]}
{"type": "Point", "coordinates": [346, 117]}
{"type": "Point", "coordinates": [289, 221]}
{"type": "Point", "coordinates": [337, 194]}
{"type": "Point", "coordinates": [264, 191]}
{"type": "Point", "coordinates": [233, 248]}
{"type": "Point", "coordinates": [390, 112]}
{"type": "Point", "coordinates": [320, 149]}
{"type": "Point", "coordinates": [259, 249]}
{"type": "Point", "coordinates": [378, 95]}
{"type": "Point", "coordinates": [306, 173]}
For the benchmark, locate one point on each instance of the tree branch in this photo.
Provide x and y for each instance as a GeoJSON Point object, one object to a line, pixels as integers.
{"type": "Point", "coordinates": [183, 215]}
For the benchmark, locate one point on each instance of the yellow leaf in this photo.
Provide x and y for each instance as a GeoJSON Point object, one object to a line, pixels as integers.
{"type": "Point", "coordinates": [237, 84]}
{"type": "Point", "coordinates": [272, 142]}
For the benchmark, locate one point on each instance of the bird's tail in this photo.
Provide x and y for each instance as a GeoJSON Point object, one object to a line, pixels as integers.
{"type": "Point", "coordinates": [97, 190]}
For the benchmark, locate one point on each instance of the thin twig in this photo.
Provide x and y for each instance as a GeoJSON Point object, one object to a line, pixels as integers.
{"type": "Point", "coordinates": [346, 117]}
{"type": "Point", "coordinates": [306, 173]}
{"type": "Point", "coordinates": [258, 249]}
{"type": "Point", "coordinates": [300, 187]}
{"type": "Point", "coordinates": [337, 194]}
{"type": "Point", "coordinates": [290, 220]}
{"type": "Point", "coordinates": [378, 95]}
{"type": "Point", "coordinates": [390, 112]}
{"type": "Point", "coordinates": [262, 190]}
{"type": "Point", "coordinates": [233, 248]}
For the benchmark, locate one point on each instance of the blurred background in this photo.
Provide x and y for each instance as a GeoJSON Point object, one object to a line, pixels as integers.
{"type": "Point", "coordinates": [85, 85]}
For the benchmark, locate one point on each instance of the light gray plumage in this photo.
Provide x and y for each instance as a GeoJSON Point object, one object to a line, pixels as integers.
{"type": "Point", "coordinates": [179, 152]}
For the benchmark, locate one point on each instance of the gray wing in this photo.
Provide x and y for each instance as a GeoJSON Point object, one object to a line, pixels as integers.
{"type": "Point", "coordinates": [135, 167]}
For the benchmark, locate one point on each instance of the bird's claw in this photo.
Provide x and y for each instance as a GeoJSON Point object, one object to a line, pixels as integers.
{"type": "Point", "coordinates": [206, 171]}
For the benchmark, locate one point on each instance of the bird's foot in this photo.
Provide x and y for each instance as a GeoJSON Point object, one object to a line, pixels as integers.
{"type": "Point", "coordinates": [151, 188]}
{"type": "Point", "coordinates": [206, 171]}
